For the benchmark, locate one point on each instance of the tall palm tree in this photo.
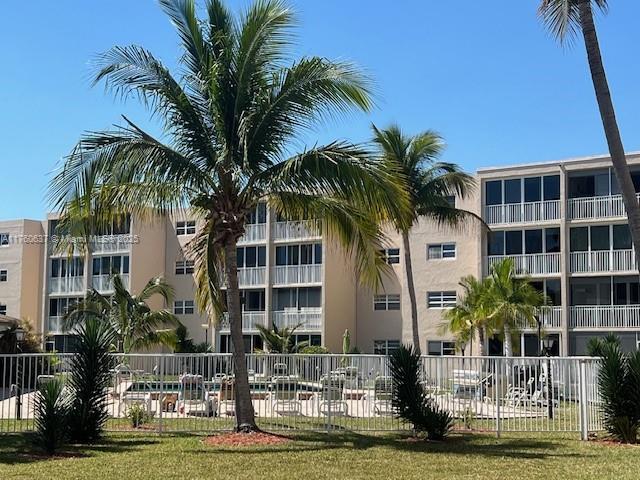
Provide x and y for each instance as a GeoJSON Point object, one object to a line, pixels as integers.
{"type": "Point", "coordinates": [512, 300]}
{"type": "Point", "coordinates": [473, 312]}
{"type": "Point", "coordinates": [565, 19]}
{"type": "Point", "coordinates": [134, 324]}
{"type": "Point", "coordinates": [281, 340]}
{"type": "Point", "coordinates": [231, 123]}
{"type": "Point", "coordinates": [429, 183]}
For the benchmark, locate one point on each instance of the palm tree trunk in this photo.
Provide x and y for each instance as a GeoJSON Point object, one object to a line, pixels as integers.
{"type": "Point", "coordinates": [508, 346]}
{"type": "Point", "coordinates": [609, 122]}
{"type": "Point", "coordinates": [481, 340]}
{"type": "Point", "coordinates": [413, 308]}
{"type": "Point", "coordinates": [245, 417]}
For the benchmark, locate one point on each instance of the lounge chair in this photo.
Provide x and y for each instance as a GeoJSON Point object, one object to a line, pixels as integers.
{"type": "Point", "coordinates": [382, 395]}
{"type": "Point", "coordinates": [193, 398]}
{"type": "Point", "coordinates": [284, 394]}
{"type": "Point", "coordinates": [330, 397]}
{"type": "Point", "coordinates": [227, 397]}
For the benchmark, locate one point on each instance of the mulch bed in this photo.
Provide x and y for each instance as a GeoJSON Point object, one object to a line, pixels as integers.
{"type": "Point", "coordinates": [245, 439]}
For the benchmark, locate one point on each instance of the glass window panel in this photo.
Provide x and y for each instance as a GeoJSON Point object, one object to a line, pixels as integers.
{"type": "Point", "coordinates": [281, 255]}
{"type": "Point", "coordinates": [125, 264]}
{"type": "Point", "coordinates": [306, 254]}
{"type": "Point", "coordinates": [620, 294]}
{"type": "Point", "coordinates": [635, 177]}
{"type": "Point", "coordinates": [582, 186]}
{"type": "Point", "coordinates": [63, 268]}
{"type": "Point", "coordinates": [449, 250]}
{"type": "Point", "coordinates": [251, 258]}
{"type": "Point", "coordinates": [105, 265]}
{"type": "Point", "coordinates": [293, 255]}
{"type": "Point", "coordinates": [532, 189]}
{"type": "Point", "coordinates": [552, 240]}
{"type": "Point", "coordinates": [434, 348]}
{"type": "Point", "coordinates": [55, 267]}
{"type": "Point", "coordinates": [533, 241]}
{"type": "Point", "coordinates": [318, 253]}
{"type": "Point", "coordinates": [601, 181]}
{"type": "Point", "coordinates": [615, 188]}
{"type": "Point", "coordinates": [496, 243]}
{"type": "Point", "coordinates": [512, 191]}
{"type": "Point", "coordinates": [262, 212]}
{"type": "Point", "coordinates": [621, 237]}
{"type": "Point", "coordinates": [116, 263]}
{"type": "Point", "coordinates": [513, 242]}
{"type": "Point", "coordinates": [551, 185]}
{"type": "Point", "coordinates": [553, 292]}
{"type": "Point", "coordinates": [96, 266]}
{"type": "Point", "coordinates": [634, 293]}
{"type": "Point", "coordinates": [493, 192]}
{"type": "Point", "coordinates": [600, 238]}
{"type": "Point", "coordinates": [579, 239]}
{"type": "Point", "coordinates": [240, 256]}
{"type": "Point", "coordinates": [262, 256]}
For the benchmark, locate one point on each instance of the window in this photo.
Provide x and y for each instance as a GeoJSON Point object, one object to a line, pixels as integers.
{"type": "Point", "coordinates": [64, 267]}
{"type": "Point", "coordinates": [437, 347]}
{"type": "Point", "coordinates": [391, 255]}
{"type": "Point", "coordinates": [187, 227]}
{"type": "Point", "coordinates": [305, 254]}
{"type": "Point", "coordinates": [4, 239]}
{"type": "Point", "coordinates": [60, 306]}
{"type": "Point", "coordinates": [532, 189]}
{"type": "Point", "coordinates": [579, 239]}
{"type": "Point", "coordinates": [552, 240]}
{"type": "Point", "coordinates": [386, 302]}
{"type": "Point", "coordinates": [385, 347]}
{"type": "Point", "coordinates": [532, 241]}
{"type": "Point", "coordinates": [184, 267]}
{"type": "Point", "coordinates": [496, 243]}
{"type": "Point", "coordinates": [248, 257]}
{"type": "Point", "coordinates": [445, 299]}
{"type": "Point", "coordinates": [253, 300]}
{"type": "Point", "coordinates": [512, 191]}
{"type": "Point", "coordinates": [258, 215]}
{"type": "Point", "coordinates": [443, 250]}
{"type": "Point", "coordinates": [111, 265]}
{"type": "Point", "coordinates": [513, 242]}
{"type": "Point", "coordinates": [183, 307]}
{"type": "Point", "coordinates": [3, 309]}
{"type": "Point", "coordinates": [493, 192]}
{"type": "Point", "coordinates": [3, 275]}
{"type": "Point", "coordinates": [621, 237]}
{"type": "Point", "coordinates": [551, 187]}
{"type": "Point", "coordinates": [303, 297]}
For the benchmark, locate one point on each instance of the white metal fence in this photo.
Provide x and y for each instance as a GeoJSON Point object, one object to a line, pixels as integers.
{"type": "Point", "coordinates": [196, 392]}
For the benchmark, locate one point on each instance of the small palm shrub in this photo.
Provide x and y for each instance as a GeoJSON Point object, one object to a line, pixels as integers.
{"type": "Point", "coordinates": [89, 379]}
{"type": "Point", "coordinates": [619, 385]}
{"type": "Point", "coordinates": [51, 416]}
{"type": "Point", "coordinates": [138, 415]}
{"type": "Point", "coordinates": [409, 399]}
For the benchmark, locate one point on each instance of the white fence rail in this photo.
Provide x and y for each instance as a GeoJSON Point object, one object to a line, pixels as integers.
{"type": "Point", "coordinates": [527, 212]}
{"type": "Point", "coordinates": [295, 230]}
{"type": "Point", "coordinates": [602, 261]}
{"type": "Point", "coordinates": [297, 274]}
{"type": "Point", "coordinates": [66, 285]}
{"type": "Point", "coordinates": [196, 392]}
{"type": "Point", "coordinates": [254, 233]}
{"type": "Point", "coordinates": [249, 321]}
{"type": "Point", "coordinates": [610, 206]}
{"type": "Point", "coordinates": [309, 318]}
{"type": "Point", "coordinates": [104, 283]}
{"type": "Point", "coordinates": [529, 264]}
{"type": "Point", "coordinates": [605, 316]}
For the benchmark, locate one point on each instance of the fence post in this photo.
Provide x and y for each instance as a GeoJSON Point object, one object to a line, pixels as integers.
{"type": "Point", "coordinates": [161, 395]}
{"type": "Point", "coordinates": [582, 398]}
{"type": "Point", "coordinates": [329, 392]}
{"type": "Point", "coordinates": [498, 395]}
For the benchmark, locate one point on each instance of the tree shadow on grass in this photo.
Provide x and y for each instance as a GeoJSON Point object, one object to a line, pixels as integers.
{"type": "Point", "coordinates": [19, 449]}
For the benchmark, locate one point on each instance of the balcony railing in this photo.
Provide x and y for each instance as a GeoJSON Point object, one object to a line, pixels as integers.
{"type": "Point", "coordinates": [104, 283]}
{"type": "Point", "coordinates": [528, 212]}
{"type": "Point", "coordinates": [249, 321]}
{"type": "Point", "coordinates": [602, 261]}
{"type": "Point", "coordinates": [295, 230]}
{"type": "Point", "coordinates": [112, 244]}
{"type": "Point", "coordinates": [252, 276]}
{"type": "Point", "coordinates": [66, 285]}
{"type": "Point", "coordinates": [609, 206]}
{"type": "Point", "coordinates": [605, 316]}
{"type": "Point", "coordinates": [551, 317]}
{"type": "Point", "coordinates": [309, 318]}
{"type": "Point", "coordinates": [530, 264]}
{"type": "Point", "coordinates": [254, 233]}
{"type": "Point", "coordinates": [297, 274]}
{"type": "Point", "coordinates": [55, 325]}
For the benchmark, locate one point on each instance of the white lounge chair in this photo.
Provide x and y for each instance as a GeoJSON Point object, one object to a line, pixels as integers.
{"type": "Point", "coordinates": [330, 398]}
{"type": "Point", "coordinates": [284, 394]}
{"type": "Point", "coordinates": [193, 398]}
{"type": "Point", "coordinates": [382, 395]}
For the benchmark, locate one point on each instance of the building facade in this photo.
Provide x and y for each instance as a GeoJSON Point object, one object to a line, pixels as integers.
{"type": "Point", "coordinates": [563, 223]}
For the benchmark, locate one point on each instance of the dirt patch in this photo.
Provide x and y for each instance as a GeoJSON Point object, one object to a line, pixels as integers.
{"type": "Point", "coordinates": [245, 439]}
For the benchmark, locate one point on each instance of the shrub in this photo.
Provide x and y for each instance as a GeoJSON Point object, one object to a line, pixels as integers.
{"type": "Point", "coordinates": [411, 402]}
{"type": "Point", "coordinates": [314, 350]}
{"type": "Point", "coordinates": [89, 379]}
{"type": "Point", "coordinates": [51, 416]}
{"type": "Point", "coordinates": [138, 415]}
{"type": "Point", "coordinates": [619, 385]}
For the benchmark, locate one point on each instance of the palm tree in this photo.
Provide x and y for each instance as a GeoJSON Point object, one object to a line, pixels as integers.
{"type": "Point", "coordinates": [134, 324]}
{"type": "Point", "coordinates": [511, 300]}
{"type": "Point", "coordinates": [281, 340]}
{"type": "Point", "coordinates": [429, 184]}
{"type": "Point", "coordinates": [473, 312]}
{"type": "Point", "coordinates": [231, 123]}
{"type": "Point", "coordinates": [565, 19]}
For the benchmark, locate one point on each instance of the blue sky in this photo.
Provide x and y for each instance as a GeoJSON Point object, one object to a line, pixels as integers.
{"type": "Point", "coordinates": [485, 75]}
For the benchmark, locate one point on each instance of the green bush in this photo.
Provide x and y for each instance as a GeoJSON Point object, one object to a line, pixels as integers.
{"type": "Point", "coordinates": [51, 416]}
{"type": "Point", "coordinates": [138, 415]}
{"type": "Point", "coordinates": [314, 350]}
{"type": "Point", "coordinates": [619, 385]}
{"type": "Point", "coordinates": [411, 402]}
{"type": "Point", "coordinates": [89, 379]}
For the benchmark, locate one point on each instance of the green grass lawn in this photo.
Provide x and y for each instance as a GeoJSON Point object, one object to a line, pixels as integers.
{"type": "Point", "coordinates": [319, 456]}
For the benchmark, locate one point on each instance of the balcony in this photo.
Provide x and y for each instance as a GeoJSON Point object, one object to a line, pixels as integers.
{"type": "Point", "coordinates": [254, 233]}
{"type": "Point", "coordinates": [295, 231]}
{"type": "Point", "coordinates": [603, 207]}
{"type": "Point", "coordinates": [602, 261]}
{"type": "Point", "coordinates": [66, 285]}
{"type": "Point", "coordinates": [55, 325]}
{"type": "Point", "coordinates": [107, 244]}
{"type": "Point", "coordinates": [297, 274]}
{"type": "Point", "coordinates": [249, 321]}
{"type": "Point", "coordinates": [249, 276]}
{"type": "Point", "coordinates": [605, 317]}
{"type": "Point", "coordinates": [309, 318]}
{"type": "Point", "coordinates": [530, 264]}
{"type": "Point", "coordinates": [551, 318]}
{"type": "Point", "coordinates": [104, 283]}
{"type": "Point", "coordinates": [530, 212]}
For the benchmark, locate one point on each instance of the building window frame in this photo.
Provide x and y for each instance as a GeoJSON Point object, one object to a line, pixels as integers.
{"type": "Point", "coordinates": [4, 275]}
{"type": "Point", "coordinates": [183, 307]}
{"type": "Point", "coordinates": [391, 255]}
{"type": "Point", "coordinates": [3, 309]}
{"type": "Point", "coordinates": [441, 251]}
{"type": "Point", "coordinates": [441, 348]}
{"type": "Point", "coordinates": [386, 302]}
{"type": "Point", "coordinates": [4, 239]}
{"type": "Point", "coordinates": [385, 347]}
{"type": "Point", "coordinates": [185, 267]}
{"type": "Point", "coordinates": [185, 227]}
{"type": "Point", "coordinates": [441, 299]}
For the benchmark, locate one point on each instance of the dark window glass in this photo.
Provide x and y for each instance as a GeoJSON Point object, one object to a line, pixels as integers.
{"type": "Point", "coordinates": [116, 264]}
{"type": "Point", "coordinates": [63, 268]}
{"type": "Point", "coordinates": [105, 265]}
{"type": "Point", "coordinates": [494, 192]}
{"type": "Point", "coordinates": [240, 257]}
{"type": "Point", "coordinates": [553, 292]}
{"type": "Point", "coordinates": [552, 240]}
{"type": "Point", "coordinates": [512, 191]}
{"type": "Point", "coordinates": [306, 254]}
{"type": "Point", "coordinates": [125, 264]}
{"type": "Point", "coordinates": [583, 186]}
{"type": "Point", "coordinates": [316, 340]}
{"type": "Point", "coordinates": [601, 184]}
{"type": "Point", "coordinates": [634, 293]}
{"type": "Point", "coordinates": [250, 257]}
{"type": "Point", "coordinates": [262, 256]}
{"type": "Point", "coordinates": [318, 253]}
{"type": "Point", "coordinates": [496, 243]}
{"type": "Point", "coordinates": [533, 241]}
{"type": "Point", "coordinates": [579, 239]}
{"type": "Point", "coordinates": [621, 237]}
{"type": "Point", "coordinates": [293, 255]}
{"type": "Point", "coordinates": [552, 187]}
{"type": "Point", "coordinates": [538, 285]}
{"type": "Point", "coordinates": [590, 291]}
{"type": "Point", "coordinates": [513, 242]}
{"type": "Point", "coordinates": [55, 267]}
{"type": "Point", "coordinates": [532, 189]}
{"type": "Point", "coordinates": [600, 238]}
{"type": "Point", "coordinates": [620, 294]}
{"type": "Point", "coordinates": [615, 188]}
{"type": "Point", "coordinates": [281, 255]}
{"type": "Point", "coordinates": [96, 266]}
{"type": "Point", "coordinates": [635, 176]}
{"type": "Point", "coordinates": [262, 212]}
